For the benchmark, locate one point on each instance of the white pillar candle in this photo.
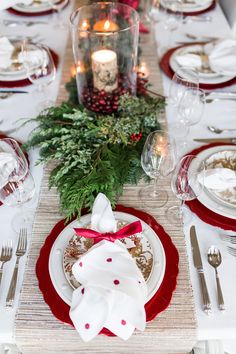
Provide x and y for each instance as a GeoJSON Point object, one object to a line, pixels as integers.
{"type": "Point", "coordinates": [105, 70]}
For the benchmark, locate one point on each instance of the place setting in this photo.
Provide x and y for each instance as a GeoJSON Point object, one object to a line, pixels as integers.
{"type": "Point", "coordinates": [189, 7]}
{"type": "Point", "coordinates": [24, 63]}
{"type": "Point", "coordinates": [214, 62]}
{"type": "Point", "coordinates": [33, 8]}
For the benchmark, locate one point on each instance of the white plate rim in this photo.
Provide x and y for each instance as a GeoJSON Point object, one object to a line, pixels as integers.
{"type": "Point", "coordinates": [60, 282]}
{"type": "Point", "coordinates": [203, 79]}
{"type": "Point", "coordinates": [199, 7]}
{"type": "Point", "coordinates": [30, 9]}
{"type": "Point", "coordinates": [205, 198]}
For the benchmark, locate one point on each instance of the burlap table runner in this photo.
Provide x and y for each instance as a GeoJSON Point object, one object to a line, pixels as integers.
{"type": "Point", "coordinates": [38, 331]}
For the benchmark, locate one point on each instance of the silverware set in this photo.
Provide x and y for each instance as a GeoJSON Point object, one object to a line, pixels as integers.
{"type": "Point", "coordinates": [15, 23]}
{"type": "Point", "coordinates": [215, 260]}
{"type": "Point", "coordinates": [6, 256]}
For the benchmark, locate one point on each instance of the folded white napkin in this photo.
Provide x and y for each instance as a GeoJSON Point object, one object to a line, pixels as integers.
{"type": "Point", "coordinates": [218, 178]}
{"type": "Point", "coordinates": [33, 58]}
{"type": "Point", "coordinates": [221, 57]}
{"type": "Point", "coordinates": [103, 219]}
{"type": "Point", "coordinates": [113, 291]}
{"type": "Point", "coordinates": [6, 50]}
{"type": "Point", "coordinates": [7, 165]}
{"type": "Point", "coordinates": [5, 4]}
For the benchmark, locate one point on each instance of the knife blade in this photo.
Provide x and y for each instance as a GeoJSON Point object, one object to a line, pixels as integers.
{"type": "Point", "coordinates": [13, 91]}
{"type": "Point", "coordinates": [217, 140]}
{"type": "Point", "coordinates": [197, 261]}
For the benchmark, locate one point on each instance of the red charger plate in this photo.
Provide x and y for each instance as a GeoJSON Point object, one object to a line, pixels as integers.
{"type": "Point", "coordinates": [26, 82]}
{"type": "Point", "coordinates": [32, 14]}
{"type": "Point", "coordinates": [165, 66]}
{"type": "Point", "coordinates": [196, 13]}
{"type": "Point", "coordinates": [158, 303]}
{"type": "Point", "coordinates": [205, 214]}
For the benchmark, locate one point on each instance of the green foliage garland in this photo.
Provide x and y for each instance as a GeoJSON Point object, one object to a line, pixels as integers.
{"type": "Point", "coordinates": [94, 153]}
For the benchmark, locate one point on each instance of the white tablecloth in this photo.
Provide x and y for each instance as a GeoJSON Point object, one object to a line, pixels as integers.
{"type": "Point", "coordinates": [216, 325]}
{"type": "Point", "coordinates": [221, 114]}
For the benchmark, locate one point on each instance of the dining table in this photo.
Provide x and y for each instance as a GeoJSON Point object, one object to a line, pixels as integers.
{"type": "Point", "coordinates": [29, 326]}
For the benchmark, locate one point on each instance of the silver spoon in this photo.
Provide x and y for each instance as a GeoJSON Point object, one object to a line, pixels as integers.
{"type": "Point", "coordinates": [218, 130]}
{"type": "Point", "coordinates": [214, 259]}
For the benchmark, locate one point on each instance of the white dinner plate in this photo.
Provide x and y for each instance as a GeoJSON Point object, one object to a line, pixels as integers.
{"type": "Point", "coordinates": [13, 73]}
{"type": "Point", "coordinates": [190, 7]}
{"type": "Point", "coordinates": [56, 268]}
{"type": "Point", "coordinates": [34, 7]}
{"type": "Point", "coordinates": [204, 78]}
{"type": "Point", "coordinates": [205, 197]}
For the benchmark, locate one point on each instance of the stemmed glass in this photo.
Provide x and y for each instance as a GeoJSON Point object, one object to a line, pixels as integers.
{"type": "Point", "coordinates": [157, 160]}
{"type": "Point", "coordinates": [152, 10]}
{"type": "Point", "coordinates": [186, 184]}
{"type": "Point", "coordinates": [173, 18]}
{"type": "Point", "coordinates": [57, 7]}
{"type": "Point", "coordinates": [18, 187]}
{"type": "Point", "coordinates": [191, 106]}
{"type": "Point", "coordinates": [40, 68]}
{"type": "Point", "coordinates": [184, 78]}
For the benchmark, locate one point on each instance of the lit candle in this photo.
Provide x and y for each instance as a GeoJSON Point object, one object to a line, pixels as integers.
{"type": "Point", "coordinates": [105, 70]}
{"type": "Point", "coordinates": [85, 26]}
{"type": "Point", "coordinates": [143, 71]}
{"type": "Point", "coordinates": [105, 26]}
{"type": "Point", "coordinates": [76, 69]}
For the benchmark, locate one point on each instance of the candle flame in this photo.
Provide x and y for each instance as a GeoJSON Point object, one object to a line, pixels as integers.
{"type": "Point", "coordinates": [76, 69]}
{"type": "Point", "coordinates": [85, 25]}
{"type": "Point", "coordinates": [106, 25]}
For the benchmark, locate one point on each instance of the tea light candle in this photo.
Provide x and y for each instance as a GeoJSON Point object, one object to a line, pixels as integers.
{"type": "Point", "coordinates": [105, 26]}
{"type": "Point", "coordinates": [85, 26]}
{"type": "Point", "coordinates": [105, 70]}
{"type": "Point", "coordinates": [143, 71]}
{"type": "Point", "coordinates": [76, 69]}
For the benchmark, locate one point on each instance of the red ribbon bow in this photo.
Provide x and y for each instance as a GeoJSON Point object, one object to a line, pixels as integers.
{"type": "Point", "coordinates": [126, 231]}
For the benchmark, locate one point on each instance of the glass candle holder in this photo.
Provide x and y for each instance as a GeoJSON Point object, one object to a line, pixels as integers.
{"type": "Point", "coordinates": [105, 44]}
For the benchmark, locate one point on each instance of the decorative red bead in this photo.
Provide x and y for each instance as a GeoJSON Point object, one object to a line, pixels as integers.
{"type": "Point", "coordinates": [116, 282]}
{"type": "Point", "coordinates": [87, 326]}
{"type": "Point", "coordinates": [80, 264]}
{"type": "Point", "coordinates": [123, 322]}
{"type": "Point", "coordinates": [109, 259]}
{"type": "Point", "coordinates": [82, 291]}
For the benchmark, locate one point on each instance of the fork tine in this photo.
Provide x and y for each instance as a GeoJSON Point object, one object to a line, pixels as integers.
{"type": "Point", "coordinates": [2, 252]}
{"type": "Point", "coordinates": [231, 251]}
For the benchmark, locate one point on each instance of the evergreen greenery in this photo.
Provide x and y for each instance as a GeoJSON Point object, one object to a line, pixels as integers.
{"type": "Point", "coordinates": [94, 153]}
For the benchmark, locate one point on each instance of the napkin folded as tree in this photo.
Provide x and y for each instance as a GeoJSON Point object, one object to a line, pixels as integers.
{"type": "Point", "coordinates": [6, 4]}
{"type": "Point", "coordinates": [221, 57]}
{"type": "Point", "coordinates": [113, 291]}
{"type": "Point", "coordinates": [8, 164]}
{"type": "Point", "coordinates": [218, 178]}
{"type": "Point", "coordinates": [6, 50]}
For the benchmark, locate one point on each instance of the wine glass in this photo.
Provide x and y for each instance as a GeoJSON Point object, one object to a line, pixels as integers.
{"type": "Point", "coordinates": [18, 186]}
{"type": "Point", "coordinates": [191, 106]}
{"type": "Point", "coordinates": [41, 71]}
{"type": "Point", "coordinates": [157, 160]}
{"type": "Point", "coordinates": [186, 184]}
{"type": "Point", "coordinates": [57, 7]}
{"type": "Point", "coordinates": [184, 78]}
{"type": "Point", "coordinates": [173, 18]}
{"type": "Point", "coordinates": [152, 10]}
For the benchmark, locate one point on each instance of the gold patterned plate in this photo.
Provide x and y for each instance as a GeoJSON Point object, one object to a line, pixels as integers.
{"type": "Point", "coordinates": [146, 248]}
{"type": "Point", "coordinates": [223, 159]}
{"type": "Point", "coordinates": [16, 68]}
{"type": "Point", "coordinates": [138, 246]}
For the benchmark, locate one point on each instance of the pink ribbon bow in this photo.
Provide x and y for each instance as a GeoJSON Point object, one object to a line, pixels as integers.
{"type": "Point", "coordinates": [126, 231]}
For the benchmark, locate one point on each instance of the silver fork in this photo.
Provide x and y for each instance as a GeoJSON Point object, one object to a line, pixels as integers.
{"type": "Point", "coordinates": [231, 251]}
{"type": "Point", "coordinates": [6, 255]}
{"type": "Point", "coordinates": [20, 251]}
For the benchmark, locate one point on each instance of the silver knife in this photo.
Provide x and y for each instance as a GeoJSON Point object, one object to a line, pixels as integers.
{"type": "Point", "coordinates": [197, 260]}
{"type": "Point", "coordinates": [217, 140]}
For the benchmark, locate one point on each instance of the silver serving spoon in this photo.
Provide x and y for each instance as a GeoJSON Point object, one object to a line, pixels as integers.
{"type": "Point", "coordinates": [219, 131]}
{"type": "Point", "coordinates": [214, 259]}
